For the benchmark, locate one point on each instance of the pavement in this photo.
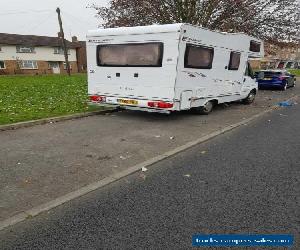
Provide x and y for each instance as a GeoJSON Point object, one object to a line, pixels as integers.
{"type": "Point", "coordinates": [41, 163]}
{"type": "Point", "coordinates": [243, 182]}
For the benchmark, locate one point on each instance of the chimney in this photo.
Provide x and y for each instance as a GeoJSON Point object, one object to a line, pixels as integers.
{"type": "Point", "coordinates": [74, 39]}
{"type": "Point", "coordinates": [59, 35]}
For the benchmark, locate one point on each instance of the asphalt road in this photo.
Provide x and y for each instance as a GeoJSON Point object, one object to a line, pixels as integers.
{"type": "Point", "coordinates": [246, 181]}
{"type": "Point", "coordinates": [41, 163]}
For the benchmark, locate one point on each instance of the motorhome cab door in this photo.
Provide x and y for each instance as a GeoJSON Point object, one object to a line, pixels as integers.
{"type": "Point", "coordinates": [249, 75]}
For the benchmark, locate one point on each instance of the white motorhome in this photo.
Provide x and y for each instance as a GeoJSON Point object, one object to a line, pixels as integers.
{"type": "Point", "coordinates": [174, 67]}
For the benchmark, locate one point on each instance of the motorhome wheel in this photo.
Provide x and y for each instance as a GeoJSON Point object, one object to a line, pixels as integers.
{"type": "Point", "coordinates": [250, 98]}
{"type": "Point", "coordinates": [206, 109]}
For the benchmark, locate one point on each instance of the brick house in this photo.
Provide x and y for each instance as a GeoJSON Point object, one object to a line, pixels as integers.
{"type": "Point", "coordinates": [279, 55]}
{"type": "Point", "coordinates": [81, 55]}
{"type": "Point", "coordinates": [28, 54]}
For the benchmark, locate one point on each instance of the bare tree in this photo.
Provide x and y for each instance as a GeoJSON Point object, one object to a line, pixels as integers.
{"type": "Point", "coordinates": [267, 19]}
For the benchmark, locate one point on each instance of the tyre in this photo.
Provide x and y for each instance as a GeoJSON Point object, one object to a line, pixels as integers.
{"type": "Point", "coordinates": [206, 109]}
{"type": "Point", "coordinates": [250, 98]}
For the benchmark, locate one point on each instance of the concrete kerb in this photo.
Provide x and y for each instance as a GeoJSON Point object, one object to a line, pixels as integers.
{"type": "Point", "coordinates": [117, 176]}
{"type": "Point", "coordinates": [26, 124]}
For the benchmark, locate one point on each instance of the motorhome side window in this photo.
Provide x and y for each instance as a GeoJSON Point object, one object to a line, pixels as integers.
{"type": "Point", "coordinates": [254, 46]}
{"type": "Point", "coordinates": [198, 57]}
{"type": "Point", "coordinates": [130, 55]}
{"type": "Point", "coordinates": [234, 62]}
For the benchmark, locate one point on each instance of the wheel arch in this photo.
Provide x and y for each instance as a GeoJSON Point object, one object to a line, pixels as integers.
{"type": "Point", "coordinates": [214, 101]}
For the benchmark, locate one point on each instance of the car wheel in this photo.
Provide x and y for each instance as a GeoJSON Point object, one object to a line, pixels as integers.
{"type": "Point", "coordinates": [206, 109]}
{"type": "Point", "coordinates": [250, 98]}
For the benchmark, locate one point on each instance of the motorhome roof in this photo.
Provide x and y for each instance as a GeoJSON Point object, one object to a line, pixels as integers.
{"type": "Point", "coordinates": [136, 30]}
{"type": "Point", "coordinates": [158, 28]}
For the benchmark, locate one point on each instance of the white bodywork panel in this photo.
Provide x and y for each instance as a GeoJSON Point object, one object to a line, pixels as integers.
{"type": "Point", "coordinates": [185, 87]}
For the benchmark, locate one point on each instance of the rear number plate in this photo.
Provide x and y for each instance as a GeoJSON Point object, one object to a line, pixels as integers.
{"type": "Point", "coordinates": [268, 79]}
{"type": "Point", "coordinates": [127, 102]}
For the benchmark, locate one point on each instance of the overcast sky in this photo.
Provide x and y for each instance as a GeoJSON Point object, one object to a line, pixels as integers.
{"type": "Point", "coordinates": [38, 17]}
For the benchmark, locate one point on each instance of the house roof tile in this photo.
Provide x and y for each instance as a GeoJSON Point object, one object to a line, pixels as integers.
{"type": "Point", "coordinates": [31, 40]}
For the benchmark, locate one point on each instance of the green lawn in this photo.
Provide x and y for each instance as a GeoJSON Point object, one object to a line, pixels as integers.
{"type": "Point", "coordinates": [295, 71]}
{"type": "Point", "coordinates": [24, 98]}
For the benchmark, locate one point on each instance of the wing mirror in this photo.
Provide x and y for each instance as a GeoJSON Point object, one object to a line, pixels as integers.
{"type": "Point", "coordinates": [260, 75]}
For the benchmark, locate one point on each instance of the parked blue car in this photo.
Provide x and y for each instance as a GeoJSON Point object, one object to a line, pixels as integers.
{"type": "Point", "coordinates": [280, 79]}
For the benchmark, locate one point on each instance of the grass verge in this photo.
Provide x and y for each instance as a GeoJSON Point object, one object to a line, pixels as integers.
{"type": "Point", "coordinates": [295, 71]}
{"type": "Point", "coordinates": [24, 98]}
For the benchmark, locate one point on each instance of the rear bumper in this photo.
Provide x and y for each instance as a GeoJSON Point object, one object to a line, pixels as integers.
{"type": "Point", "coordinates": [150, 110]}
{"type": "Point", "coordinates": [274, 84]}
{"type": "Point", "coordinates": [142, 105]}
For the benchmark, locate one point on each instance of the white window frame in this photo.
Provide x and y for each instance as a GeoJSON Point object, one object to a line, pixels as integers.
{"type": "Point", "coordinates": [60, 51]}
{"type": "Point", "coordinates": [25, 49]}
{"type": "Point", "coordinates": [33, 63]}
{"type": "Point", "coordinates": [3, 64]}
{"type": "Point", "coordinates": [188, 52]}
{"type": "Point", "coordinates": [232, 54]}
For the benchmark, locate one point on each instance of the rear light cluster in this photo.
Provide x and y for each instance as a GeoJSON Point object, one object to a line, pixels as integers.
{"type": "Point", "coordinates": [160, 104]}
{"type": "Point", "coordinates": [97, 98]}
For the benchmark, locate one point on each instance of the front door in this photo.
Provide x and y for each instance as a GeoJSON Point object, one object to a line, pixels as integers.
{"type": "Point", "coordinates": [55, 67]}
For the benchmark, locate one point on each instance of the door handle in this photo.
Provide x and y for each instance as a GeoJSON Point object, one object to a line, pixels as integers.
{"type": "Point", "coordinates": [244, 80]}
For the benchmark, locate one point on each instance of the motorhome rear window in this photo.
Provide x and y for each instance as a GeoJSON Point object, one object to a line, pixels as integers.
{"type": "Point", "coordinates": [130, 55]}
{"type": "Point", "coordinates": [254, 46]}
{"type": "Point", "coordinates": [234, 63]}
{"type": "Point", "coordinates": [198, 57]}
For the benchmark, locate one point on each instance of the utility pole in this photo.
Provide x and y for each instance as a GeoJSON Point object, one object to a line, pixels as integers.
{"type": "Point", "coordinates": [64, 45]}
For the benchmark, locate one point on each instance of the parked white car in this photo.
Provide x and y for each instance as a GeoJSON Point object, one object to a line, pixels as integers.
{"type": "Point", "coordinates": [165, 68]}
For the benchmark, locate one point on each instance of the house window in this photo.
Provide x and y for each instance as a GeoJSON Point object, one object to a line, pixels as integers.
{"type": "Point", "coordinates": [198, 57]}
{"type": "Point", "coordinates": [60, 51]}
{"type": "Point", "coordinates": [289, 65]}
{"type": "Point", "coordinates": [28, 65]}
{"type": "Point", "coordinates": [234, 63]}
{"type": "Point", "coordinates": [65, 65]}
{"type": "Point", "coordinates": [2, 65]}
{"type": "Point", "coordinates": [25, 49]}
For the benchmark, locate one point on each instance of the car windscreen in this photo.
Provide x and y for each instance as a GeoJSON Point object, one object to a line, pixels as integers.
{"type": "Point", "coordinates": [130, 55]}
{"type": "Point", "coordinates": [269, 74]}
